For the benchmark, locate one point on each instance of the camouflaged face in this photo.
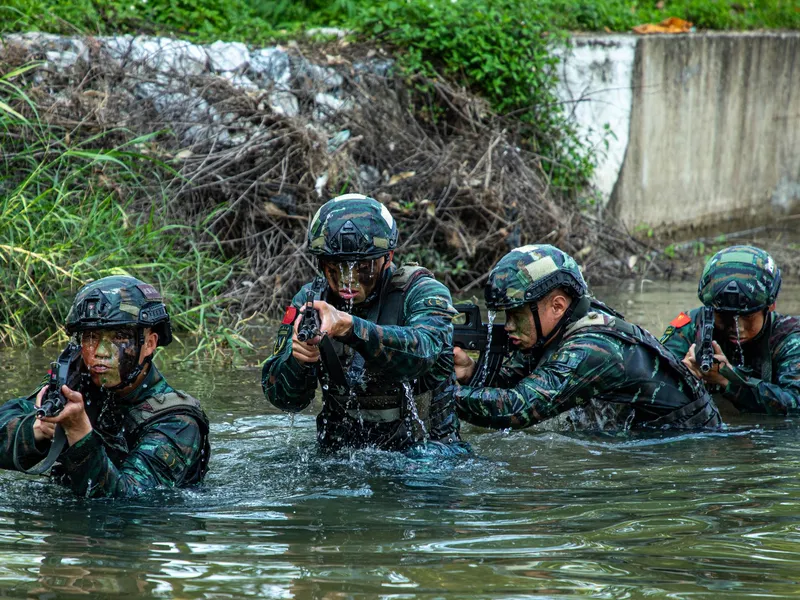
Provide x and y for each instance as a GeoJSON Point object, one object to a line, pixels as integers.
{"type": "Point", "coordinates": [528, 273]}
{"type": "Point", "coordinates": [116, 301]}
{"type": "Point", "coordinates": [352, 226]}
{"type": "Point", "coordinates": [739, 279]}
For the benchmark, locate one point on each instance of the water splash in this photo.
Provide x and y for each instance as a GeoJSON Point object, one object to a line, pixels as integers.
{"type": "Point", "coordinates": [412, 404]}
{"type": "Point", "coordinates": [738, 341]}
{"type": "Point", "coordinates": [485, 365]}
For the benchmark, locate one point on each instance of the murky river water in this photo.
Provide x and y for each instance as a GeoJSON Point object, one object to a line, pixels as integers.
{"type": "Point", "coordinates": [534, 515]}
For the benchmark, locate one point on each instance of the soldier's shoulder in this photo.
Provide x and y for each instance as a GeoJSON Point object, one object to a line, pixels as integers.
{"type": "Point", "coordinates": [785, 330]}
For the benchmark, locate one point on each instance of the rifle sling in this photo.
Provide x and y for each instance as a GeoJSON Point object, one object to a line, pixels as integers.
{"type": "Point", "coordinates": [56, 447]}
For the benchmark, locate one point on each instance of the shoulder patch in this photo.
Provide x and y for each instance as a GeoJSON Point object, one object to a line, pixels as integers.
{"type": "Point", "coordinates": [436, 303]}
{"type": "Point", "coordinates": [681, 320]}
{"type": "Point", "coordinates": [289, 316]}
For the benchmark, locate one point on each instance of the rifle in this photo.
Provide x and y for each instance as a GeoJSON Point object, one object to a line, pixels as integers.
{"type": "Point", "coordinates": [474, 334]}
{"type": "Point", "coordinates": [309, 322]}
{"type": "Point", "coordinates": [704, 351]}
{"type": "Point", "coordinates": [66, 370]}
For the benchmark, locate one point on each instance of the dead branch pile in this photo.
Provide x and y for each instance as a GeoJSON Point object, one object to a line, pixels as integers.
{"type": "Point", "coordinates": [249, 178]}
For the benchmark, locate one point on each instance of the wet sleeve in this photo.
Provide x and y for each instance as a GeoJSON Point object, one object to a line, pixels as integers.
{"type": "Point", "coordinates": [410, 350]}
{"type": "Point", "coordinates": [750, 394]}
{"type": "Point", "coordinates": [163, 456]}
{"type": "Point", "coordinates": [12, 420]}
{"type": "Point", "coordinates": [580, 369]}
{"type": "Point", "coordinates": [678, 339]}
{"type": "Point", "coordinates": [287, 383]}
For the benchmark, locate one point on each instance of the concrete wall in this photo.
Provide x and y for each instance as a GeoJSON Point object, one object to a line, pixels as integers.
{"type": "Point", "coordinates": [709, 125]}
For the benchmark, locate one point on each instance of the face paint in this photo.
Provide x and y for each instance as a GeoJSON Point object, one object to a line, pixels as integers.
{"type": "Point", "coordinates": [110, 355]}
{"type": "Point", "coordinates": [520, 327]}
{"type": "Point", "coordinates": [353, 281]}
{"type": "Point", "coordinates": [739, 329]}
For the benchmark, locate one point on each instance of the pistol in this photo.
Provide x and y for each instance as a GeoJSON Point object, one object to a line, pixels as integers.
{"type": "Point", "coordinates": [66, 370]}
{"type": "Point", "coordinates": [704, 350]}
{"type": "Point", "coordinates": [471, 333]}
{"type": "Point", "coordinates": [309, 322]}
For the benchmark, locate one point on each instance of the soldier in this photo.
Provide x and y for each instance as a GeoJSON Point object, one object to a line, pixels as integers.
{"type": "Point", "coordinates": [756, 350]}
{"type": "Point", "coordinates": [572, 351]}
{"type": "Point", "coordinates": [383, 351]}
{"type": "Point", "coordinates": [124, 430]}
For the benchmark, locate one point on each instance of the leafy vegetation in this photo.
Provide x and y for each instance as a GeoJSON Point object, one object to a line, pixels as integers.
{"type": "Point", "coordinates": [71, 211]}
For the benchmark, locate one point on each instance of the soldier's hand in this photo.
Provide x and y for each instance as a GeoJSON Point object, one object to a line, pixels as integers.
{"type": "Point", "coordinates": [73, 418]}
{"type": "Point", "coordinates": [690, 360]}
{"type": "Point", "coordinates": [304, 352]}
{"type": "Point", "coordinates": [464, 365]}
{"type": "Point", "coordinates": [335, 323]}
{"type": "Point", "coordinates": [42, 431]}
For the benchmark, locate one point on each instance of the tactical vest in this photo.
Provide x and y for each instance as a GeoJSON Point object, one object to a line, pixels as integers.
{"type": "Point", "coordinates": [381, 401]}
{"type": "Point", "coordinates": [700, 412]}
{"type": "Point", "coordinates": [158, 407]}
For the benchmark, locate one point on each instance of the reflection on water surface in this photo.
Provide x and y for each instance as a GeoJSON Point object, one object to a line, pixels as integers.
{"type": "Point", "coordinates": [535, 515]}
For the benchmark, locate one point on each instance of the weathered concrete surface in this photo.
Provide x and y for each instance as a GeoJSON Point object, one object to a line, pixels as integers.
{"type": "Point", "coordinates": [714, 131]}
{"type": "Point", "coordinates": [596, 85]}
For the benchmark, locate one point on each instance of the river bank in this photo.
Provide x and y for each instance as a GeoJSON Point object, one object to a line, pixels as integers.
{"type": "Point", "coordinates": [197, 167]}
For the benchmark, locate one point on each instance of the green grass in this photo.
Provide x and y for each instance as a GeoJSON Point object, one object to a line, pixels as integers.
{"type": "Point", "coordinates": [262, 21]}
{"type": "Point", "coordinates": [75, 210]}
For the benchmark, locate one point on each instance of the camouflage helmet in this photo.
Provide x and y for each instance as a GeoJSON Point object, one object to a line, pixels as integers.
{"type": "Point", "coordinates": [352, 227]}
{"type": "Point", "coordinates": [739, 279]}
{"type": "Point", "coordinates": [529, 273]}
{"type": "Point", "coordinates": [119, 301]}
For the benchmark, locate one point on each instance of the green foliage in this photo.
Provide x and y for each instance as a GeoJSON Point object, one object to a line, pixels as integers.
{"type": "Point", "coordinates": [68, 214]}
{"type": "Point", "coordinates": [500, 49]}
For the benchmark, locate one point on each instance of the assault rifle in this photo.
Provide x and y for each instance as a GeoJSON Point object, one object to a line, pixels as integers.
{"type": "Point", "coordinates": [308, 329]}
{"type": "Point", "coordinates": [704, 351]}
{"type": "Point", "coordinates": [309, 322]}
{"type": "Point", "coordinates": [64, 371]}
{"type": "Point", "coordinates": [471, 333]}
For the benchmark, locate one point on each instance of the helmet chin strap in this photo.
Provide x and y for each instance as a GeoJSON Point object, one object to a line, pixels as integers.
{"type": "Point", "coordinates": [541, 339]}
{"type": "Point", "coordinates": [131, 377]}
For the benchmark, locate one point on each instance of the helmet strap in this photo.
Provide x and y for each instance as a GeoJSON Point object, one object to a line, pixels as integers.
{"type": "Point", "coordinates": [541, 339]}
{"type": "Point", "coordinates": [131, 377]}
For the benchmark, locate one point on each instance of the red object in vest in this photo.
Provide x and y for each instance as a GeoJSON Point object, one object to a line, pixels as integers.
{"type": "Point", "coordinates": [289, 316]}
{"type": "Point", "coordinates": [681, 320]}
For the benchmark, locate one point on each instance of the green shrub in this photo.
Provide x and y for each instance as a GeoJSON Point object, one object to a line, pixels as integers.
{"type": "Point", "coordinates": [76, 210]}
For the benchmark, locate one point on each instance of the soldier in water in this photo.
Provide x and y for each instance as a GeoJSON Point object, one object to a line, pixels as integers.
{"type": "Point", "coordinates": [385, 362]}
{"type": "Point", "coordinates": [124, 429]}
{"type": "Point", "coordinates": [572, 352]}
{"type": "Point", "coordinates": [756, 351]}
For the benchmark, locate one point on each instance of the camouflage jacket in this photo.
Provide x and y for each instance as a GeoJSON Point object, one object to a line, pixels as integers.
{"type": "Point", "coordinates": [612, 382]}
{"type": "Point", "coordinates": [121, 456]}
{"type": "Point", "coordinates": [765, 377]}
{"type": "Point", "coordinates": [418, 352]}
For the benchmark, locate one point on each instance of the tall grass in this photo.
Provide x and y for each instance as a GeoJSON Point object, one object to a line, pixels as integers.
{"type": "Point", "coordinates": [77, 207]}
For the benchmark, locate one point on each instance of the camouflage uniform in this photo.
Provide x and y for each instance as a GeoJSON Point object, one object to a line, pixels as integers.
{"type": "Point", "coordinates": [153, 436]}
{"type": "Point", "coordinates": [765, 373]}
{"type": "Point", "coordinates": [616, 372]}
{"type": "Point", "coordinates": [398, 359]}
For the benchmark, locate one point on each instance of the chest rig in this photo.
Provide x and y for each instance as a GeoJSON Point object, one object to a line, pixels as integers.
{"type": "Point", "coordinates": [592, 315]}
{"type": "Point", "coordinates": [364, 394]}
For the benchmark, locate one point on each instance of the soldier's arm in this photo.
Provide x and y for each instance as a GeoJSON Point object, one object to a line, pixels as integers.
{"type": "Point", "coordinates": [409, 350]}
{"type": "Point", "coordinates": [12, 419]}
{"type": "Point", "coordinates": [287, 383]}
{"type": "Point", "coordinates": [163, 456]}
{"type": "Point", "coordinates": [579, 370]}
{"type": "Point", "coordinates": [750, 394]}
{"type": "Point", "coordinates": [678, 338]}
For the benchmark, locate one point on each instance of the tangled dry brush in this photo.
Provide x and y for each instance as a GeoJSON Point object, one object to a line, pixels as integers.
{"type": "Point", "coordinates": [248, 158]}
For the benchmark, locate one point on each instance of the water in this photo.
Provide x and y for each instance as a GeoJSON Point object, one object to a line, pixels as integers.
{"type": "Point", "coordinates": [535, 515]}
